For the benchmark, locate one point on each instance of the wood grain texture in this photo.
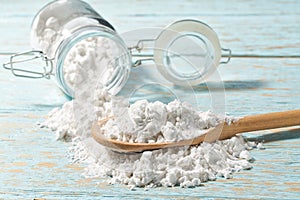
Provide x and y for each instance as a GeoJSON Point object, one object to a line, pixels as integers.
{"type": "Point", "coordinates": [223, 131]}
{"type": "Point", "coordinates": [34, 165]}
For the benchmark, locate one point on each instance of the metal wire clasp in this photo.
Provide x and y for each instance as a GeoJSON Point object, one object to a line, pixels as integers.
{"type": "Point", "coordinates": [228, 55]}
{"type": "Point", "coordinates": [146, 57]}
{"type": "Point", "coordinates": [140, 57]}
{"type": "Point", "coordinates": [29, 56]}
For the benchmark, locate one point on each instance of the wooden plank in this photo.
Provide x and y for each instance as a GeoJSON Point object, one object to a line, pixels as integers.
{"type": "Point", "coordinates": [34, 165]}
{"type": "Point", "coordinates": [31, 154]}
{"type": "Point", "coordinates": [245, 27]}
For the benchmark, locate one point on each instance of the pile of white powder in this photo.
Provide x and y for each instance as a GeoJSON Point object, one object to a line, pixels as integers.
{"type": "Point", "coordinates": [147, 122]}
{"type": "Point", "coordinates": [182, 166]}
{"type": "Point", "coordinates": [142, 121]}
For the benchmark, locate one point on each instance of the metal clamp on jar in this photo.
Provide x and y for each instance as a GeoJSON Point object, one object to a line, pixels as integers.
{"type": "Point", "coordinates": [186, 52]}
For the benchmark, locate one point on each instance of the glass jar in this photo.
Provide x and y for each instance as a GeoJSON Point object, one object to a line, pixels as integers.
{"type": "Point", "coordinates": [71, 37]}
{"type": "Point", "coordinates": [76, 44]}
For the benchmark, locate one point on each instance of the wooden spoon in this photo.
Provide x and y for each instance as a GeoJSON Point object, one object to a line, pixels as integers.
{"type": "Point", "coordinates": [220, 132]}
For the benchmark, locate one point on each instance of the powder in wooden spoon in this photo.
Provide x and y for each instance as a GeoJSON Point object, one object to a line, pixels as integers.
{"type": "Point", "coordinates": [144, 122]}
{"type": "Point", "coordinates": [181, 166]}
{"type": "Point", "coordinates": [154, 122]}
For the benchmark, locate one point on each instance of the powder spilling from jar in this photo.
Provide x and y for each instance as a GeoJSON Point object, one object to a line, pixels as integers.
{"type": "Point", "coordinates": [80, 62]}
{"type": "Point", "coordinates": [73, 38]}
{"type": "Point", "coordinates": [181, 166]}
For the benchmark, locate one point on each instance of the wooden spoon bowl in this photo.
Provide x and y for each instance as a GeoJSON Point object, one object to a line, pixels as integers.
{"type": "Point", "coordinates": [220, 132]}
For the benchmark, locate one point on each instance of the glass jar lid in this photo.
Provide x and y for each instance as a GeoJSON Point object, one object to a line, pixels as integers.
{"type": "Point", "coordinates": [187, 52]}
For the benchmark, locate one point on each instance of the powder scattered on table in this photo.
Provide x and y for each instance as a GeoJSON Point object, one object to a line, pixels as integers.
{"type": "Point", "coordinates": [181, 166]}
{"type": "Point", "coordinates": [141, 121]}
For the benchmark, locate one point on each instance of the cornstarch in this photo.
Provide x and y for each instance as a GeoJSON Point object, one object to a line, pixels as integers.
{"type": "Point", "coordinates": [142, 121]}
{"type": "Point", "coordinates": [181, 166]}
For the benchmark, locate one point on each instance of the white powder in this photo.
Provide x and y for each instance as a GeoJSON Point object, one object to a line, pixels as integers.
{"type": "Point", "coordinates": [182, 166]}
{"type": "Point", "coordinates": [89, 64]}
{"type": "Point", "coordinates": [48, 31]}
{"type": "Point", "coordinates": [62, 121]}
{"type": "Point", "coordinates": [157, 122]}
{"type": "Point", "coordinates": [75, 118]}
{"type": "Point", "coordinates": [81, 62]}
{"type": "Point", "coordinates": [139, 122]}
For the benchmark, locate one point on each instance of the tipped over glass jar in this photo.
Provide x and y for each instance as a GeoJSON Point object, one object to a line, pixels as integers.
{"type": "Point", "coordinates": [76, 44]}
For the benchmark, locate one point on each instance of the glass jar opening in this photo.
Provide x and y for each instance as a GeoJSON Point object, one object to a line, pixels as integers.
{"type": "Point", "coordinates": [92, 57]}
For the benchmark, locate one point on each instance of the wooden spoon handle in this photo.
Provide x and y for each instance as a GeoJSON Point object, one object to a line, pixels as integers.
{"type": "Point", "coordinates": [268, 121]}
{"type": "Point", "coordinates": [221, 132]}
{"type": "Point", "coordinates": [252, 123]}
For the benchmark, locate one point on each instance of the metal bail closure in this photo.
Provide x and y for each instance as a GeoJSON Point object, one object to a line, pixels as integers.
{"type": "Point", "coordinates": [34, 58]}
{"type": "Point", "coordinates": [226, 55]}
{"type": "Point", "coordinates": [187, 52]}
{"type": "Point", "coordinates": [137, 52]}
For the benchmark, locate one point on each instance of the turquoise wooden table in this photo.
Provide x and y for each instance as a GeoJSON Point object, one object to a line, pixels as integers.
{"type": "Point", "coordinates": [264, 77]}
